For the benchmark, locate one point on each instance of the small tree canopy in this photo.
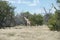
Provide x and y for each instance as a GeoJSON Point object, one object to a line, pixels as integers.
{"type": "Point", "coordinates": [6, 13]}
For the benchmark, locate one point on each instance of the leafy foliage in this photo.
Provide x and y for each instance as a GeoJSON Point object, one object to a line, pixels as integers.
{"type": "Point", "coordinates": [6, 14]}
{"type": "Point", "coordinates": [58, 1]}
{"type": "Point", "coordinates": [36, 19]}
{"type": "Point", "coordinates": [54, 21]}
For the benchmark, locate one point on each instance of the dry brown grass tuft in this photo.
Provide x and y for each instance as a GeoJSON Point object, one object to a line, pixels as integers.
{"type": "Point", "coordinates": [29, 33]}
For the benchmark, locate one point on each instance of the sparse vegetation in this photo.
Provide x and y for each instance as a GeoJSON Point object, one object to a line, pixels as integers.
{"type": "Point", "coordinates": [26, 25]}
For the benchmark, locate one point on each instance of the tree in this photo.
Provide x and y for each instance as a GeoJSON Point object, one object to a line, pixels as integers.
{"type": "Point", "coordinates": [57, 13]}
{"type": "Point", "coordinates": [52, 22]}
{"type": "Point", "coordinates": [58, 1]}
{"type": "Point", "coordinates": [47, 17]}
{"type": "Point", "coordinates": [58, 17]}
{"type": "Point", "coordinates": [55, 20]}
{"type": "Point", "coordinates": [19, 20]}
{"type": "Point", "coordinates": [25, 14]}
{"type": "Point", "coordinates": [6, 13]}
{"type": "Point", "coordinates": [36, 19]}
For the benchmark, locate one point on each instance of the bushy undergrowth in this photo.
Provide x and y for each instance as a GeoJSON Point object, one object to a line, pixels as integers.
{"type": "Point", "coordinates": [54, 22]}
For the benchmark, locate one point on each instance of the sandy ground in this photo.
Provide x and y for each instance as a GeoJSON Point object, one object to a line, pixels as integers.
{"type": "Point", "coordinates": [29, 33]}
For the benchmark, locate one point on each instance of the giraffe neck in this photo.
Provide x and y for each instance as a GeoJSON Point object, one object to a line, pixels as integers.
{"type": "Point", "coordinates": [25, 18]}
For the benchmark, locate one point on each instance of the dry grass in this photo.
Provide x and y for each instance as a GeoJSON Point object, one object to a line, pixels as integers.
{"type": "Point", "coordinates": [29, 33]}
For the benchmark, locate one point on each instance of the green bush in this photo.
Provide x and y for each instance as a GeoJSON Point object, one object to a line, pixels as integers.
{"type": "Point", "coordinates": [54, 22]}
{"type": "Point", "coordinates": [36, 19]}
{"type": "Point", "coordinates": [57, 20]}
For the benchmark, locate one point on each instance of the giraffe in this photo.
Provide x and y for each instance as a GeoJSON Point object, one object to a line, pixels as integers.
{"type": "Point", "coordinates": [27, 20]}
